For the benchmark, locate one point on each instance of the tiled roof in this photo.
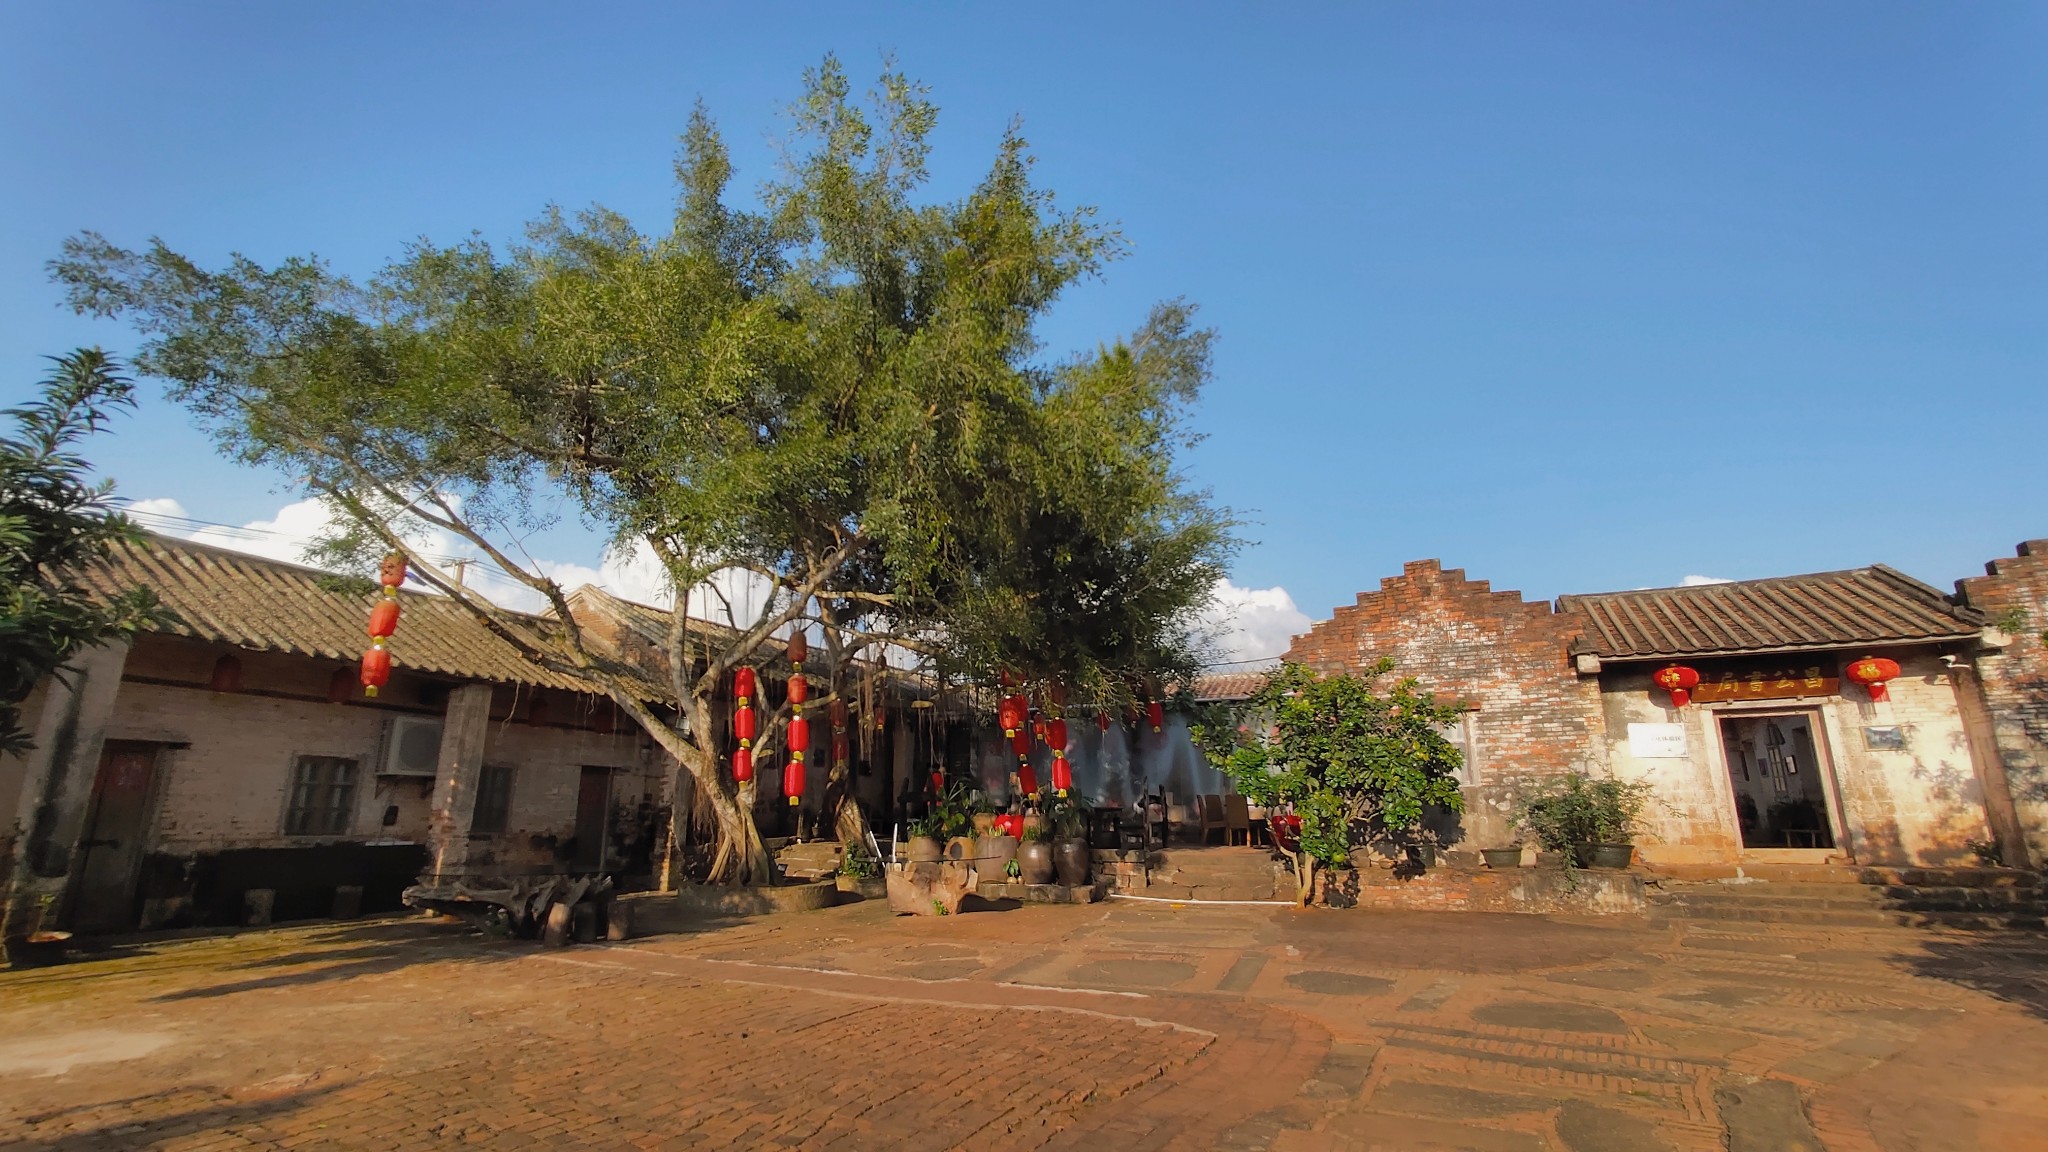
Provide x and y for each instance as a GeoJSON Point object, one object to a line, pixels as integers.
{"type": "Point", "coordinates": [270, 606]}
{"type": "Point", "coordinates": [1857, 607]}
{"type": "Point", "coordinates": [1230, 685]}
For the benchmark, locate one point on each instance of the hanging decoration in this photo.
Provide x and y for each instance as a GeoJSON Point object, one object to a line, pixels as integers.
{"type": "Point", "coordinates": [1872, 672]}
{"type": "Point", "coordinates": [799, 727]}
{"type": "Point", "coordinates": [744, 726]}
{"type": "Point", "coordinates": [383, 622]}
{"type": "Point", "coordinates": [841, 746]}
{"type": "Point", "coordinates": [1678, 680]}
{"type": "Point", "coordinates": [1013, 713]}
{"type": "Point", "coordinates": [1062, 770]}
{"type": "Point", "coordinates": [1156, 713]}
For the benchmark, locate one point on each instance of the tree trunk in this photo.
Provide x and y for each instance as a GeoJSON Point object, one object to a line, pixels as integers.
{"type": "Point", "coordinates": [740, 857]}
{"type": "Point", "coordinates": [1304, 878]}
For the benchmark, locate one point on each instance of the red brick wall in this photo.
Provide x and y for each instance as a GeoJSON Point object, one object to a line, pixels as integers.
{"type": "Point", "coordinates": [2016, 679]}
{"type": "Point", "coordinates": [1492, 650]}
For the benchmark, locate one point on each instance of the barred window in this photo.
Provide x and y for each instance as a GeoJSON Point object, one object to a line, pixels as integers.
{"type": "Point", "coordinates": [323, 800]}
{"type": "Point", "coordinates": [493, 799]}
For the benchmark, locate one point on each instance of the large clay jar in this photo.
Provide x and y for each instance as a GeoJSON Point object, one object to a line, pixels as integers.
{"type": "Point", "coordinates": [960, 850]}
{"type": "Point", "coordinates": [992, 855]}
{"type": "Point", "coordinates": [1071, 858]}
{"type": "Point", "coordinates": [925, 850]}
{"type": "Point", "coordinates": [1034, 858]}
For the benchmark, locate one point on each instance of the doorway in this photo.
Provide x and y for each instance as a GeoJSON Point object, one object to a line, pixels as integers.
{"type": "Point", "coordinates": [593, 811]}
{"type": "Point", "coordinates": [117, 820]}
{"type": "Point", "coordinates": [1778, 770]}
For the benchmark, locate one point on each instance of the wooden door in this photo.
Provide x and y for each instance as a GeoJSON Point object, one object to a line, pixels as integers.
{"type": "Point", "coordinates": [593, 811]}
{"type": "Point", "coordinates": [115, 825]}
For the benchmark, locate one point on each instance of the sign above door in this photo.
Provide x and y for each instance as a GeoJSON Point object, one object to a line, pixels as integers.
{"type": "Point", "coordinates": [1767, 683]}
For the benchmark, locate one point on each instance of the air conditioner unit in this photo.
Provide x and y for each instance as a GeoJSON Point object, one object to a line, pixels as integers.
{"type": "Point", "coordinates": [412, 747]}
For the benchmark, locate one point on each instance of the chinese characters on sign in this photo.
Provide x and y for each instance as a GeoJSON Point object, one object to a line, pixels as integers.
{"type": "Point", "coordinates": [1811, 680]}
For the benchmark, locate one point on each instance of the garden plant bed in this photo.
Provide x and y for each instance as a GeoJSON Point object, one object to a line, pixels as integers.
{"type": "Point", "coordinates": [1452, 888]}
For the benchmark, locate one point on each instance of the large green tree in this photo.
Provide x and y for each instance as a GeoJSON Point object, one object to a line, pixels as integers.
{"type": "Point", "coordinates": [1351, 756]}
{"type": "Point", "coordinates": [54, 524]}
{"type": "Point", "coordinates": [839, 392]}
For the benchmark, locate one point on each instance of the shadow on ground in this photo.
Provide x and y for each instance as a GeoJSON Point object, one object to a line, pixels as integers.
{"type": "Point", "coordinates": [1477, 942]}
{"type": "Point", "coordinates": [2012, 967]}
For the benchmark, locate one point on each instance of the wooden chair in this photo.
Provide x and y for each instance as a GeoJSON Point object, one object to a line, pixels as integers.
{"type": "Point", "coordinates": [1212, 818]}
{"type": "Point", "coordinates": [1237, 817]}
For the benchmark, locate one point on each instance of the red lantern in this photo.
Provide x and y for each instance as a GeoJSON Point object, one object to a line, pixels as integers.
{"type": "Point", "coordinates": [799, 689]}
{"type": "Point", "coordinates": [793, 779]}
{"type": "Point", "coordinates": [376, 669]}
{"type": "Point", "coordinates": [1038, 731]}
{"type": "Point", "coordinates": [391, 573]}
{"type": "Point", "coordinates": [1027, 778]}
{"type": "Point", "coordinates": [1006, 678]}
{"type": "Point", "coordinates": [1872, 672]}
{"type": "Point", "coordinates": [839, 713]}
{"type": "Point", "coordinates": [742, 764]}
{"type": "Point", "coordinates": [743, 685]}
{"type": "Point", "coordinates": [799, 647]}
{"type": "Point", "coordinates": [938, 782]}
{"type": "Point", "coordinates": [1009, 824]}
{"type": "Point", "coordinates": [799, 735]}
{"type": "Point", "coordinates": [384, 618]}
{"type": "Point", "coordinates": [841, 750]}
{"type": "Point", "coordinates": [1021, 745]}
{"type": "Point", "coordinates": [1056, 735]}
{"type": "Point", "coordinates": [1010, 714]}
{"type": "Point", "coordinates": [743, 726]}
{"type": "Point", "coordinates": [1102, 719]}
{"type": "Point", "coordinates": [1156, 713]}
{"type": "Point", "coordinates": [1678, 680]}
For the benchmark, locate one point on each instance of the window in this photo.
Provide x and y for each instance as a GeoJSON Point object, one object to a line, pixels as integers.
{"type": "Point", "coordinates": [493, 800]}
{"type": "Point", "coordinates": [323, 800]}
{"type": "Point", "coordinates": [1460, 733]}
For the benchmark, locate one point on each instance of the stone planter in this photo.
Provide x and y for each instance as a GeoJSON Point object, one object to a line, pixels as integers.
{"type": "Point", "coordinates": [861, 887]}
{"type": "Point", "coordinates": [992, 855]}
{"type": "Point", "coordinates": [1071, 859]}
{"type": "Point", "coordinates": [925, 850]}
{"type": "Point", "coordinates": [1034, 858]}
{"type": "Point", "coordinates": [1502, 857]}
{"type": "Point", "coordinates": [1616, 856]}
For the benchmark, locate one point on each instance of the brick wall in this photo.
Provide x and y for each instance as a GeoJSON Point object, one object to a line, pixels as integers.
{"type": "Point", "coordinates": [2015, 680]}
{"type": "Point", "coordinates": [1494, 651]}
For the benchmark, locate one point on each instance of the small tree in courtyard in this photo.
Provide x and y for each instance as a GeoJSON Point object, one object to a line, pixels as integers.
{"type": "Point", "coordinates": [1350, 760]}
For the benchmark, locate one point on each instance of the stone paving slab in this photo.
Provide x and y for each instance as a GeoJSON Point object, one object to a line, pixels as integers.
{"type": "Point", "coordinates": [1118, 1025]}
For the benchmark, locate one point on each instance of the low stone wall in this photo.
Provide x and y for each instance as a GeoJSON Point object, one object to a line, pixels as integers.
{"type": "Point", "coordinates": [657, 908]}
{"type": "Point", "coordinates": [1536, 890]}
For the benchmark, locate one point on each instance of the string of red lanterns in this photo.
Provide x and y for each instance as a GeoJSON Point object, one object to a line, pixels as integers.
{"type": "Point", "coordinates": [383, 622]}
{"type": "Point", "coordinates": [799, 727]}
{"type": "Point", "coordinates": [743, 725]}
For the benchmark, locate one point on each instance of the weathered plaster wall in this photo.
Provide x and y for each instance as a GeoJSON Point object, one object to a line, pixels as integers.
{"type": "Point", "coordinates": [2014, 592]}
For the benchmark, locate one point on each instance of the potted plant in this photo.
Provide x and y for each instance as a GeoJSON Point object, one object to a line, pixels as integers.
{"type": "Point", "coordinates": [1034, 855]}
{"type": "Point", "coordinates": [858, 872]}
{"type": "Point", "coordinates": [996, 849]}
{"type": "Point", "coordinates": [1591, 823]}
{"type": "Point", "coordinates": [1070, 853]}
{"type": "Point", "coordinates": [927, 845]}
{"type": "Point", "coordinates": [1508, 857]}
{"type": "Point", "coordinates": [982, 812]}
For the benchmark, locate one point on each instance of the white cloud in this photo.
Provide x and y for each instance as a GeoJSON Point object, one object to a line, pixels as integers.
{"type": "Point", "coordinates": [162, 506]}
{"type": "Point", "coordinates": [1696, 581]}
{"type": "Point", "coordinates": [1252, 623]}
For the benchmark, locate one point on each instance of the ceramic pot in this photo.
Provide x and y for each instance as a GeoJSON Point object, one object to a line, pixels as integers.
{"type": "Point", "coordinates": [1034, 858]}
{"type": "Point", "coordinates": [1070, 857]}
{"type": "Point", "coordinates": [992, 854]}
{"type": "Point", "coordinates": [1502, 857]}
{"type": "Point", "coordinates": [925, 850]}
{"type": "Point", "coordinates": [960, 850]}
{"type": "Point", "coordinates": [1615, 856]}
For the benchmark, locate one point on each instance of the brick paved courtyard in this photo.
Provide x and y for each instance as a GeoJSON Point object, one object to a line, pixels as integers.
{"type": "Point", "coordinates": [1126, 1026]}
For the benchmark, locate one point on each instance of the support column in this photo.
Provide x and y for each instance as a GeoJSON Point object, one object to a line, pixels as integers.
{"type": "Point", "coordinates": [464, 729]}
{"type": "Point", "coordinates": [56, 788]}
{"type": "Point", "coordinates": [1999, 811]}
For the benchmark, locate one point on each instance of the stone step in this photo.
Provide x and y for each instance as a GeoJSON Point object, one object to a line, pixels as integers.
{"type": "Point", "coordinates": [2018, 900]}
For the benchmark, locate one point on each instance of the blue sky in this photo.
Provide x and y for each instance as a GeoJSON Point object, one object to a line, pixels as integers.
{"type": "Point", "coordinates": [1576, 297]}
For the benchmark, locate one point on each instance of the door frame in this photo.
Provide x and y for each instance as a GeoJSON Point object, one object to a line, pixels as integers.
{"type": "Point", "coordinates": [145, 833]}
{"type": "Point", "coordinates": [1831, 792]}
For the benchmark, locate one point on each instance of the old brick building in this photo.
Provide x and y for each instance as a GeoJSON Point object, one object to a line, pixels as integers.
{"type": "Point", "coordinates": [1778, 756]}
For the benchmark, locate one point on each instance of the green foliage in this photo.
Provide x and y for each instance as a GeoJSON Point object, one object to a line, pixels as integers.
{"type": "Point", "coordinates": [1351, 760]}
{"type": "Point", "coordinates": [1066, 816]}
{"type": "Point", "coordinates": [1578, 809]}
{"type": "Point", "coordinates": [1041, 832]}
{"type": "Point", "coordinates": [54, 525]}
{"type": "Point", "coordinates": [855, 861]}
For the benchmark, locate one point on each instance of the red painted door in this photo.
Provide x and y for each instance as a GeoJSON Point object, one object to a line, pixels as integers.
{"type": "Point", "coordinates": [114, 830]}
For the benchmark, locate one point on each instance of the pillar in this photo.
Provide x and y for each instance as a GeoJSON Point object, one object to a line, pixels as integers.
{"type": "Point", "coordinates": [464, 728]}
{"type": "Point", "coordinates": [2000, 814]}
{"type": "Point", "coordinates": [56, 787]}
